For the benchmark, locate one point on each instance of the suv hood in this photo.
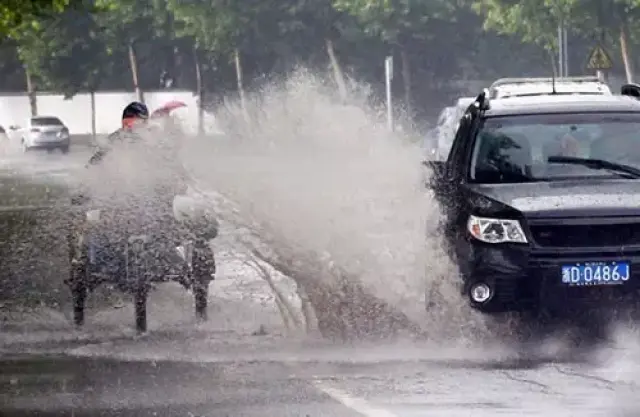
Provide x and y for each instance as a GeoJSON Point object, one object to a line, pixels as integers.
{"type": "Point", "coordinates": [567, 198]}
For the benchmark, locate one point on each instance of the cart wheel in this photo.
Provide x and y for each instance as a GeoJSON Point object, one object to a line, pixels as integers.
{"type": "Point", "coordinates": [139, 277]}
{"type": "Point", "coordinates": [203, 268]}
{"type": "Point", "coordinates": [79, 295]}
{"type": "Point", "coordinates": [201, 294]}
{"type": "Point", "coordinates": [78, 259]}
{"type": "Point", "coordinates": [140, 303]}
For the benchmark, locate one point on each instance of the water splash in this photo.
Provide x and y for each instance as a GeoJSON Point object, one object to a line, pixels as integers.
{"type": "Point", "coordinates": [328, 183]}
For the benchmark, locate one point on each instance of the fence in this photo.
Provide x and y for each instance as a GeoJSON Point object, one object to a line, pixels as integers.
{"type": "Point", "coordinates": [76, 112]}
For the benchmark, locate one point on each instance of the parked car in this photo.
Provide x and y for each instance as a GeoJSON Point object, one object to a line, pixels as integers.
{"type": "Point", "coordinates": [43, 132]}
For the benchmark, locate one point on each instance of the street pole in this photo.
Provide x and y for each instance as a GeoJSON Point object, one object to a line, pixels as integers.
{"type": "Point", "coordinates": [560, 50]}
{"type": "Point", "coordinates": [565, 50]}
{"type": "Point", "coordinates": [388, 75]}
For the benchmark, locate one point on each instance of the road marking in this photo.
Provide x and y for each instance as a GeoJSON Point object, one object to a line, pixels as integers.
{"type": "Point", "coordinates": [358, 405]}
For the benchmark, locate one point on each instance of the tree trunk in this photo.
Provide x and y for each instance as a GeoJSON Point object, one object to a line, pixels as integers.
{"type": "Point", "coordinates": [626, 55]}
{"type": "Point", "coordinates": [31, 92]}
{"type": "Point", "coordinates": [337, 70]}
{"type": "Point", "coordinates": [243, 104]}
{"type": "Point", "coordinates": [406, 80]}
{"type": "Point", "coordinates": [133, 62]}
{"type": "Point", "coordinates": [310, 319]}
{"type": "Point", "coordinates": [199, 91]}
{"type": "Point", "coordinates": [92, 95]}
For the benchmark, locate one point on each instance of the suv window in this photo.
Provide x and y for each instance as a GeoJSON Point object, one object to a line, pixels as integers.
{"type": "Point", "coordinates": [517, 148]}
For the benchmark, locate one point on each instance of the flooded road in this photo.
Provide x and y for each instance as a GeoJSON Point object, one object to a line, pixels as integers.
{"type": "Point", "coordinates": [63, 386]}
{"type": "Point", "coordinates": [222, 369]}
{"type": "Point", "coordinates": [204, 378]}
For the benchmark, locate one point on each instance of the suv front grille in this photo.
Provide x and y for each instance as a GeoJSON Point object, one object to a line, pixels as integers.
{"type": "Point", "coordinates": [585, 235]}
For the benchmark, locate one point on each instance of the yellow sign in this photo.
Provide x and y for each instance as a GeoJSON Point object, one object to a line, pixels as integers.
{"type": "Point", "coordinates": [599, 59]}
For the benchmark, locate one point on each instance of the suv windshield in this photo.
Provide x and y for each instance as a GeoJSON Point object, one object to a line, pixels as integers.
{"type": "Point", "coordinates": [46, 121]}
{"type": "Point", "coordinates": [550, 147]}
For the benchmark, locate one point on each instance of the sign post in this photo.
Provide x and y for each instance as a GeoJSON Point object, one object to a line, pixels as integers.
{"type": "Point", "coordinates": [599, 61]}
{"type": "Point", "coordinates": [388, 75]}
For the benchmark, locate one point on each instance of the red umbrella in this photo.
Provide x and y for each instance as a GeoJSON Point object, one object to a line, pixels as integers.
{"type": "Point", "coordinates": [168, 108]}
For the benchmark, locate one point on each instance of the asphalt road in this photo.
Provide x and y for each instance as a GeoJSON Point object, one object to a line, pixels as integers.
{"type": "Point", "coordinates": [317, 382]}
{"type": "Point", "coordinates": [51, 164]}
{"type": "Point", "coordinates": [89, 387]}
{"type": "Point", "coordinates": [178, 374]}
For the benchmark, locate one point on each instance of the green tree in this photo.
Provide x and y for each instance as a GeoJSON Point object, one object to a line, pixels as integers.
{"type": "Point", "coordinates": [618, 20]}
{"type": "Point", "coordinates": [11, 69]}
{"type": "Point", "coordinates": [229, 29]}
{"type": "Point", "coordinates": [397, 23]}
{"type": "Point", "coordinates": [537, 22]}
{"type": "Point", "coordinates": [67, 53]}
{"type": "Point", "coordinates": [533, 22]}
{"type": "Point", "coordinates": [129, 26]}
{"type": "Point", "coordinates": [314, 30]}
{"type": "Point", "coordinates": [14, 14]}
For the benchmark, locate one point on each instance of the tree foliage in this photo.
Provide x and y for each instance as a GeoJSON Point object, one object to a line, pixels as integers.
{"type": "Point", "coordinates": [17, 13]}
{"type": "Point", "coordinates": [397, 20]}
{"type": "Point", "coordinates": [537, 22]}
{"type": "Point", "coordinates": [67, 52]}
{"type": "Point", "coordinates": [75, 45]}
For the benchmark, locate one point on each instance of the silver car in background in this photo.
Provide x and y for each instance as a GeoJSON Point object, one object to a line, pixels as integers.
{"type": "Point", "coordinates": [44, 132]}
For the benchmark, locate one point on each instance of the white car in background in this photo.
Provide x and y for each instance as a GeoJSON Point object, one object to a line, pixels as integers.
{"type": "Point", "coordinates": [439, 139]}
{"type": "Point", "coordinates": [43, 132]}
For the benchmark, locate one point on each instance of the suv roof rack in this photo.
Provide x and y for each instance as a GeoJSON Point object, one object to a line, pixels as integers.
{"type": "Point", "coordinates": [529, 80]}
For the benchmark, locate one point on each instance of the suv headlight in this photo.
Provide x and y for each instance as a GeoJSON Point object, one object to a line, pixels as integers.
{"type": "Point", "coordinates": [496, 230]}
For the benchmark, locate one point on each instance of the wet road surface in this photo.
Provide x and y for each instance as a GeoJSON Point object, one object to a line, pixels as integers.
{"type": "Point", "coordinates": [38, 163]}
{"type": "Point", "coordinates": [349, 382]}
{"type": "Point", "coordinates": [60, 386]}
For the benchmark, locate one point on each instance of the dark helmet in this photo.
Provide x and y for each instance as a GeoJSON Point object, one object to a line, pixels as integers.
{"type": "Point", "coordinates": [135, 110]}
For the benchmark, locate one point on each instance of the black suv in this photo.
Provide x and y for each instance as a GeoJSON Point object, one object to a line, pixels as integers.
{"type": "Point", "coordinates": [542, 200]}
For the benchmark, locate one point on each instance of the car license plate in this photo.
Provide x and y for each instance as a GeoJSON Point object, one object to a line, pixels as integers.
{"type": "Point", "coordinates": [596, 273]}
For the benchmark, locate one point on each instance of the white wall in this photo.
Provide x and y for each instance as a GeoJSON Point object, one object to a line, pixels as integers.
{"type": "Point", "coordinates": [76, 112]}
